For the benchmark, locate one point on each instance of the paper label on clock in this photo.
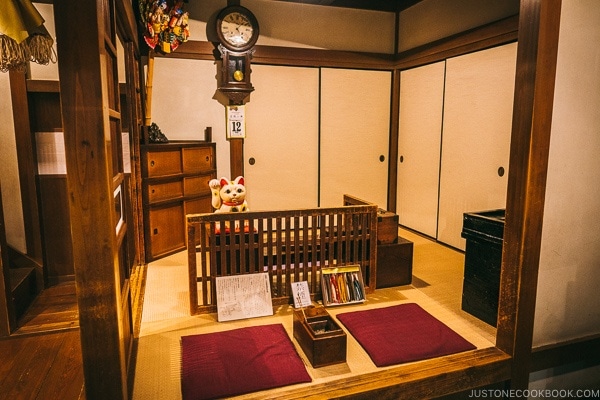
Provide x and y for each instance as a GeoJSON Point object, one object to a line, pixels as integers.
{"type": "Point", "coordinates": [236, 125]}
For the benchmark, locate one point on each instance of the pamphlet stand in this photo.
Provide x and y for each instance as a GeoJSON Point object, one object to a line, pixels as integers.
{"type": "Point", "coordinates": [342, 285]}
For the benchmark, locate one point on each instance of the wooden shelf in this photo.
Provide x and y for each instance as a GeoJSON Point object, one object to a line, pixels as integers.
{"type": "Point", "coordinates": [39, 85]}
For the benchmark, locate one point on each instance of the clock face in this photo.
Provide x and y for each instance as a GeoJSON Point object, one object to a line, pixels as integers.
{"type": "Point", "coordinates": [237, 28]}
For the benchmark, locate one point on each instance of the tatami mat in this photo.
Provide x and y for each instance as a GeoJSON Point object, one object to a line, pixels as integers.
{"type": "Point", "coordinates": [436, 287]}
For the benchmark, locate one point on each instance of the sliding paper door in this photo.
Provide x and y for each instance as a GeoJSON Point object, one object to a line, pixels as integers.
{"type": "Point", "coordinates": [476, 136]}
{"type": "Point", "coordinates": [281, 147]}
{"type": "Point", "coordinates": [419, 141]}
{"type": "Point", "coordinates": [355, 127]}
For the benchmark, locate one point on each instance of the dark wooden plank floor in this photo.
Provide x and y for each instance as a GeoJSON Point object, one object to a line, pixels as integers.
{"type": "Point", "coordinates": [42, 359]}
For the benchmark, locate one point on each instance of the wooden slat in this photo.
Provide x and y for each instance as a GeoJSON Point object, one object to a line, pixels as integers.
{"type": "Point", "coordinates": [332, 233]}
{"type": "Point", "coordinates": [204, 264]}
{"type": "Point", "coordinates": [232, 266]}
{"type": "Point", "coordinates": [288, 249]}
{"type": "Point", "coordinates": [278, 243]}
{"type": "Point", "coordinates": [298, 264]}
{"type": "Point", "coordinates": [222, 249]}
{"type": "Point", "coordinates": [241, 248]}
{"type": "Point", "coordinates": [314, 233]}
{"type": "Point", "coordinates": [192, 267]}
{"type": "Point", "coordinates": [290, 254]}
{"type": "Point", "coordinates": [261, 247]}
{"type": "Point", "coordinates": [269, 252]}
{"type": "Point", "coordinates": [305, 240]}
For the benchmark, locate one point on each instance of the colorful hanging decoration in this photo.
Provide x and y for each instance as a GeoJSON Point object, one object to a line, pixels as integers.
{"type": "Point", "coordinates": [166, 24]}
{"type": "Point", "coordinates": [23, 37]}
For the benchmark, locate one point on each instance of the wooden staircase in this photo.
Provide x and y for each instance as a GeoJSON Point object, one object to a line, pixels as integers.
{"type": "Point", "coordinates": [23, 289]}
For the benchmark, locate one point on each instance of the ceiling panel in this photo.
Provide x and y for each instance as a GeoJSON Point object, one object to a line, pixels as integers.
{"type": "Point", "coordinates": [378, 5]}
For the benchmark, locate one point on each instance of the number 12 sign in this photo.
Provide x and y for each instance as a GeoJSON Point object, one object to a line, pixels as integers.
{"type": "Point", "coordinates": [236, 126]}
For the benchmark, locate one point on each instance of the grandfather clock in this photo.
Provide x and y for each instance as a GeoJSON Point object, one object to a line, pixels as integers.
{"type": "Point", "coordinates": [235, 75]}
{"type": "Point", "coordinates": [237, 30]}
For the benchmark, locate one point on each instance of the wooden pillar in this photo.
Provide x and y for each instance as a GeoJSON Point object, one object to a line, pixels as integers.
{"type": "Point", "coordinates": [393, 152]}
{"type": "Point", "coordinates": [236, 157]}
{"type": "Point", "coordinates": [86, 36]}
{"type": "Point", "coordinates": [539, 23]}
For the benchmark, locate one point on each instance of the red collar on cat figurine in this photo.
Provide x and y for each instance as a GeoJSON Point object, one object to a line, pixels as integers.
{"type": "Point", "coordinates": [233, 203]}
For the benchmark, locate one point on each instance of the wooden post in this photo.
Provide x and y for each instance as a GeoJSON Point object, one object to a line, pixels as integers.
{"type": "Point", "coordinates": [236, 157]}
{"type": "Point", "coordinates": [149, 79]}
{"type": "Point", "coordinates": [539, 23]}
{"type": "Point", "coordinates": [86, 38]}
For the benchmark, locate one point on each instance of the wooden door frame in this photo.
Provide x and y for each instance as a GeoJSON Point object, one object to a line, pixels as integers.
{"type": "Point", "coordinates": [539, 23]}
{"type": "Point", "coordinates": [86, 41]}
{"type": "Point", "coordinates": [538, 43]}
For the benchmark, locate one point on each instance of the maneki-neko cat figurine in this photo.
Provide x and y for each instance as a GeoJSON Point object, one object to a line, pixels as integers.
{"type": "Point", "coordinates": [228, 196]}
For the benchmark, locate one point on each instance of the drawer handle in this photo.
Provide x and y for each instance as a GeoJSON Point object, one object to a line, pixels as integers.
{"type": "Point", "coordinates": [155, 231]}
{"type": "Point", "coordinates": [153, 191]}
{"type": "Point", "coordinates": [152, 163]}
{"type": "Point", "coordinates": [501, 171]}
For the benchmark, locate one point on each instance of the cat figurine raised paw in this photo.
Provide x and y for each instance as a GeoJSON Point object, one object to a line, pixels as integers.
{"type": "Point", "coordinates": [228, 196]}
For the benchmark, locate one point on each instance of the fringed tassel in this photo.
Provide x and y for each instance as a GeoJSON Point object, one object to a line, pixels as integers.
{"type": "Point", "coordinates": [40, 49]}
{"type": "Point", "coordinates": [15, 56]}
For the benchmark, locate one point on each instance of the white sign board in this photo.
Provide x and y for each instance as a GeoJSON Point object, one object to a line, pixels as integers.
{"type": "Point", "coordinates": [301, 294]}
{"type": "Point", "coordinates": [243, 296]}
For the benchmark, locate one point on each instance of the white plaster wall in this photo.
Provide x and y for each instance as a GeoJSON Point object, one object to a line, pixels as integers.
{"type": "Point", "coordinates": [183, 103]}
{"type": "Point", "coordinates": [568, 305]}
{"type": "Point", "coordinates": [431, 20]}
{"type": "Point", "coordinates": [304, 25]}
{"type": "Point", "coordinates": [9, 175]}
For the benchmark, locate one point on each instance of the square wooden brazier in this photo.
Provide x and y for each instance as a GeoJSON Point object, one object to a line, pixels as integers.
{"type": "Point", "coordinates": [319, 336]}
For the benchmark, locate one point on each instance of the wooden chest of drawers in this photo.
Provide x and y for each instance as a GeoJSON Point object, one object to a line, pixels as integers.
{"type": "Point", "coordinates": [175, 183]}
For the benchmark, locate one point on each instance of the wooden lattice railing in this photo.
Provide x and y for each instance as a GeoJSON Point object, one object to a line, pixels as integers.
{"type": "Point", "coordinates": [291, 245]}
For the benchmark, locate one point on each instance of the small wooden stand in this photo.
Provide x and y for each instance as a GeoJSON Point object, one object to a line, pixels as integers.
{"type": "Point", "coordinates": [319, 336]}
{"type": "Point", "coordinates": [394, 263]}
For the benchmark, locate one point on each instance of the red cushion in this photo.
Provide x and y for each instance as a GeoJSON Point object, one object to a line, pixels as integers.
{"type": "Point", "coordinates": [234, 362]}
{"type": "Point", "coordinates": [402, 333]}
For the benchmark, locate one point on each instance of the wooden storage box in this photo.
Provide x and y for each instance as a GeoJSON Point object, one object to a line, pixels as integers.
{"type": "Point", "coordinates": [394, 263]}
{"type": "Point", "coordinates": [320, 337]}
{"type": "Point", "coordinates": [387, 227]}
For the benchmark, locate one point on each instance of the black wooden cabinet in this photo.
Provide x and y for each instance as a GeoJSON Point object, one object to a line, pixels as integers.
{"type": "Point", "coordinates": [484, 232]}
